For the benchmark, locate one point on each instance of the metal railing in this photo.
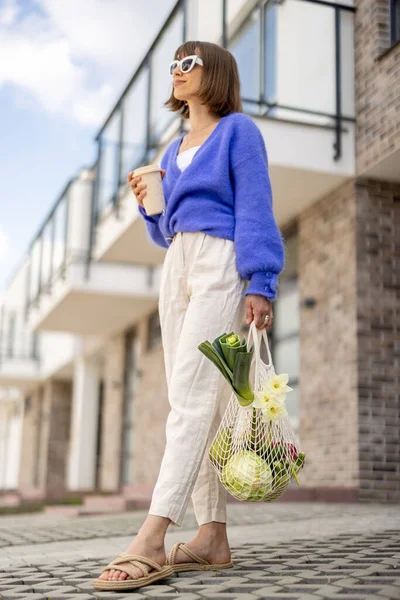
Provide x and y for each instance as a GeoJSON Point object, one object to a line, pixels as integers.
{"type": "Point", "coordinates": [20, 350]}
{"type": "Point", "coordinates": [261, 96]}
{"type": "Point", "coordinates": [16, 342]}
{"type": "Point", "coordinates": [49, 250]}
{"type": "Point", "coordinates": [18, 354]}
{"type": "Point", "coordinates": [132, 133]}
{"type": "Point", "coordinates": [53, 250]}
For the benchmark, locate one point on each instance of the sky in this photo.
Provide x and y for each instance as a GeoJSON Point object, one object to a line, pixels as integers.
{"type": "Point", "coordinates": [63, 64]}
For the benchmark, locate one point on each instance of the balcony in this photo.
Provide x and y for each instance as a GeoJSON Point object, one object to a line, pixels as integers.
{"type": "Point", "coordinates": [20, 365]}
{"type": "Point", "coordinates": [295, 61]}
{"type": "Point", "coordinates": [69, 293]}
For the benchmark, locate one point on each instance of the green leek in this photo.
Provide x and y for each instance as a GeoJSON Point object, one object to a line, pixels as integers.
{"type": "Point", "coordinates": [232, 359]}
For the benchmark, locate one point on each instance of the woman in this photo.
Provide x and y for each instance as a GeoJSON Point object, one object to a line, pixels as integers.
{"type": "Point", "coordinates": [220, 231]}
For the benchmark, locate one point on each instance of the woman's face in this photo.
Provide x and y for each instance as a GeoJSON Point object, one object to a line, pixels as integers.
{"type": "Point", "coordinates": [187, 85]}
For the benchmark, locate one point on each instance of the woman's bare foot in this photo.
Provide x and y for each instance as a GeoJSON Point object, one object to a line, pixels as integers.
{"type": "Point", "coordinates": [149, 542]}
{"type": "Point", "coordinates": [211, 543]}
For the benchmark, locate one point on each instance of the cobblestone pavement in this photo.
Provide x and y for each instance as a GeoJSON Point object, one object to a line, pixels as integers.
{"type": "Point", "coordinates": [280, 551]}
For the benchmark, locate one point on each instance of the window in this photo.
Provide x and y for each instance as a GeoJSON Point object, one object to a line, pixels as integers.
{"type": "Point", "coordinates": [154, 331]}
{"type": "Point", "coordinates": [245, 47]}
{"type": "Point", "coordinates": [394, 21]}
{"type": "Point", "coordinates": [285, 336]}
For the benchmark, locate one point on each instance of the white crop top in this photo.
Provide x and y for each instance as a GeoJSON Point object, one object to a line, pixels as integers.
{"type": "Point", "coordinates": [184, 159]}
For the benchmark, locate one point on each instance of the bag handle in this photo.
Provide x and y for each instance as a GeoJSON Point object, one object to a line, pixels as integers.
{"type": "Point", "coordinates": [258, 336]}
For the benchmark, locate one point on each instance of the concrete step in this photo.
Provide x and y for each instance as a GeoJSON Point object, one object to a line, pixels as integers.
{"type": "Point", "coordinates": [98, 504]}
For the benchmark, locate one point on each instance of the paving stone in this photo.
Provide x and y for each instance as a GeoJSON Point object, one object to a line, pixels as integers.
{"type": "Point", "coordinates": [23, 596]}
{"type": "Point", "coordinates": [190, 596]}
{"type": "Point", "coordinates": [339, 566]}
{"type": "Point", "coordinates": [63, 589]}
{"type": "Point", "coordinates": [227, 596]}
{"type": "Point", "coordinates": [132, 596]}
{"type": "Point", "coordinates": [85, 584]}
{"type": "Point", "coordinates": [17, 589]}
{"type": "Point", "coordinates": [79, 597]}
{"type": "Point", "coordinates": [390, 591]}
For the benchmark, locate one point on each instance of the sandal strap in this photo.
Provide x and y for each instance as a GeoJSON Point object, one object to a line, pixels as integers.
{"type": "Point", "coordinates": [125, 568]}
{"type": "Point", "coordinates": [182, 546]}
{"type": "Point", "coordinates": [142, 559]}
{"type": "Point", "coordinates": [141, 562]}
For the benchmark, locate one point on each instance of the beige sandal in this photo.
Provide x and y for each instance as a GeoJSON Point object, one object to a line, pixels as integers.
{"type": "Point", "coordinates": [199, 563]}
{"type": "Point", "coordinates": [123, 563]}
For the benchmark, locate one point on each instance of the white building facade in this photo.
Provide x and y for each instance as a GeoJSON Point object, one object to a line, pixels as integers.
{"type": "Point", "coordinates": [84, 394]}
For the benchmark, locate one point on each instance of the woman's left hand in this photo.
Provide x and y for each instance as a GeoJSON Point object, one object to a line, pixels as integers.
{"type": "Point", "coordinates": [258, 307]}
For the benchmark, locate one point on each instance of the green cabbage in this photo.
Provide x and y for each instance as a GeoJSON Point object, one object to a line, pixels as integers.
{"type": "Point", "coordinates": [247, 476]}
{"type": "Point", "coordinates": [221, 448]}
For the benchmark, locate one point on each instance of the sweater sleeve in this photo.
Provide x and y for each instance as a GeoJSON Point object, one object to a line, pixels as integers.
{"type": "Point", "coordinates": [153, 228]}
{"type": "Point", "coordinates": [152, 222]}
{"type": "Point", "coordinates": [258, 242]}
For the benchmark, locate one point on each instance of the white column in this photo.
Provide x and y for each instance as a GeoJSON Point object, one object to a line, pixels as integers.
{"type": "Point", "coordinates": [79, 207]}
{"type": "Point", "coordinates": [83, 439]}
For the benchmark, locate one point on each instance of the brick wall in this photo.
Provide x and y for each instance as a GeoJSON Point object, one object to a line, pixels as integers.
{"type": "Point", "coordinates": [57, 412]}
{"type": "Point", "coordinates": [29, 474]}
{"type": "Point", "coordinates": [112, 415]}
{"type": "Point", "coordinates": [349, 262]}
{"type": "Point", "coordinates": [377, 85]}
{"type": "Point", "coordinates": [378, 317]}
{"type": "Point", "coordinates": [328, 341]}
{"type": "Point", "coordinates": [151, 411]}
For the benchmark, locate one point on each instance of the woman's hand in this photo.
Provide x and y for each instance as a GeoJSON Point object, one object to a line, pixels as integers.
{"type": "Point", "coordinates": [139, 190]}
{"type": "Point", "coordinates": [259, 307]}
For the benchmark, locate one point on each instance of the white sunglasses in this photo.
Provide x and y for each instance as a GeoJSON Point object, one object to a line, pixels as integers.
{"type": "Point", "coordinates": [186, 64]}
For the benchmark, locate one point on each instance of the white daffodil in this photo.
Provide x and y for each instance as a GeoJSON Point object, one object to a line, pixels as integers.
{"type": "Point", "coordinates": [277, 386]}
{"type": "Point", "coordinates": [262, 399]}
{"type": "Point", "coordinates": [275, 409]}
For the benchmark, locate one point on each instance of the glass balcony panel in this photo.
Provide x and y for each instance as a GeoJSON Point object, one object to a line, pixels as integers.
{"type": "Point", "coordinates": [108, 162]}
{"type": "Point", "coordinates": [270, 63]}
{"type": "Point", "coordinates": [305, 60]}
{"type": "Point", "coordinates": [134, 125]}
{"type": "Point", "coordinates": [47, 254]}
{"type": "Point", "coordinates": [161, 81]}
{"type": "Point", "coordinates": [34, 270]}
{"type": "Point", "coordinates": [347, 62]}
{"type": "Point", "coordinates": [60, 217]}
{"type": "Point", "coordinates": [245, 47]}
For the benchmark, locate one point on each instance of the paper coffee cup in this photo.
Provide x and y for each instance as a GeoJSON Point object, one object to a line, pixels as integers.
{"type": "Point", "coordinates": [154, 201]}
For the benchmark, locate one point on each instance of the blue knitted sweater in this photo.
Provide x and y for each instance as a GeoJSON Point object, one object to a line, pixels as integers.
{"type": "Point", "coordinates": [225, 192]}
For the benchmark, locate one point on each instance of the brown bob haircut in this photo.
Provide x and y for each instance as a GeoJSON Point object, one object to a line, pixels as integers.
{"type": "Point", "coordinates": [220, 87]}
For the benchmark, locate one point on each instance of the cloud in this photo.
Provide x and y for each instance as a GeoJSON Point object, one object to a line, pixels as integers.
{"type": "Point", "coordinates": [74, 57]}
{"type": "Point", "coordinates": [8, 12]}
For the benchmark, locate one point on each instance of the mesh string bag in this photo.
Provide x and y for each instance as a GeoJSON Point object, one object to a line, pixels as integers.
{"type": "Point", "coordinates": [256, 452]}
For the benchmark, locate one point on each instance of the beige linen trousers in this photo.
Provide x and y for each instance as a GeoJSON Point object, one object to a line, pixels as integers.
{"type": "Point", "coordinates": [201, 297]}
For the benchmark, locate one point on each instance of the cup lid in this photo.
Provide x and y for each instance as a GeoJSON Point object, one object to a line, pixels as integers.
{"type": "Point", "coordinates": [146, 169]}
